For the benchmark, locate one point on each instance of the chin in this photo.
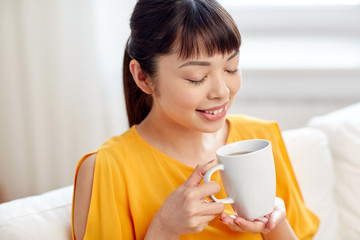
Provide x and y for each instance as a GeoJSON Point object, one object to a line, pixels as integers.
{"type": "Point", "coordinates": [211, 127]}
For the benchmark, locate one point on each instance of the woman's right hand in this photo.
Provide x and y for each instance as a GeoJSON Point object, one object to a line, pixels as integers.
{"type": "Point", "coordinates": [185, 210]}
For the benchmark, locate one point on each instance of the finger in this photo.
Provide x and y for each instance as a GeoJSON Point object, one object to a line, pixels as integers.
{"type": "Point", "coordinates": [250, 226]}
{"type": "Point", "coordinates": [262, 219]}
{"type": "Point", "coordinates": [270, 224]}
{"type": "Point", "coordinates": [208, 218]}
{"type": "Point", "coordinates": [229, 221]}
{"type": "Point", "coordinates": [225, 215]}
{"type": "Point", "coordinates": [225, 218]}
{"type": "Point", "coordinates": [278, 215]}
{"type": "Point", "coordinates": [208, 165]}
{"type": "Point", "coordinates": [211, 208]}
{"type": "Point", "coordinates": [202, 222]}
{"type": "Point", "coordinates": [198, 173]}
{"type": "Point", "coordinates": [207, 189]}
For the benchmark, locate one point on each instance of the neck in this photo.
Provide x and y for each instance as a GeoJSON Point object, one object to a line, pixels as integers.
{"type": "Point", "coordinates": [183, 144]}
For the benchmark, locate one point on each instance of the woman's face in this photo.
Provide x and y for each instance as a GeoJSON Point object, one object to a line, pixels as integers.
{"type": "Point", "coordinates": [196, 93]}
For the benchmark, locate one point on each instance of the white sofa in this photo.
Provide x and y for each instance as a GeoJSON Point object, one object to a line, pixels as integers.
{"type": "Point", "coordinates": [325, 155]}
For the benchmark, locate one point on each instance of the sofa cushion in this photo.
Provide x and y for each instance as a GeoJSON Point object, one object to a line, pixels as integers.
{"type": "Point", "coordinates": [342, 128]}
{"type": "Point", "coordinates": [313, 166]}
{"type": "Point", "coordinates": [46, 216]}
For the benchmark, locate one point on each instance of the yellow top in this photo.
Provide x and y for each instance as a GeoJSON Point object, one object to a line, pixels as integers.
{"type": "Point", "coordinates": [132, 179]}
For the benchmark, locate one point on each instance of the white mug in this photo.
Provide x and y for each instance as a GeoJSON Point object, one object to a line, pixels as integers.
{"type": "Point", "coordinates": [247, 172]}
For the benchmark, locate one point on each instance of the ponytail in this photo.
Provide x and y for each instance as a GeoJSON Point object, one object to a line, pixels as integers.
{"type": "Point", "coordinates": [138, 103]}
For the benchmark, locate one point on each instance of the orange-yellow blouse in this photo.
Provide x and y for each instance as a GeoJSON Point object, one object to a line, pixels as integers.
{"type": "Point", "coordinates": [132, 179]}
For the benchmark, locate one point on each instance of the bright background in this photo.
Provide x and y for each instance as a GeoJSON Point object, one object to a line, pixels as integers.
{"type": "Point", "coordinates": [60, 76]}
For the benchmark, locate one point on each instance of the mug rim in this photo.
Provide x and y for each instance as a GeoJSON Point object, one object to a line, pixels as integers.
{"type": "Point", "coordinates": [223, 151]}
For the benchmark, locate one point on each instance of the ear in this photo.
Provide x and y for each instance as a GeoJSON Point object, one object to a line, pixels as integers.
{"type": "Point", "coordinates": [140, 78]}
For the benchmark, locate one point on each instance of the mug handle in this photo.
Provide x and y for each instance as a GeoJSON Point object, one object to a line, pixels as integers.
{"type": "Point", "coordinates": [207, 178]}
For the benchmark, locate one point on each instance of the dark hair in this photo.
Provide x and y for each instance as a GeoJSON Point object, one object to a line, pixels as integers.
{"type": "Point", "coordinates": [166, 26]}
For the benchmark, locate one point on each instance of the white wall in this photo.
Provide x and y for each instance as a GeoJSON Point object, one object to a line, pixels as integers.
{"type": "Point", "coordinates": [60, 88]}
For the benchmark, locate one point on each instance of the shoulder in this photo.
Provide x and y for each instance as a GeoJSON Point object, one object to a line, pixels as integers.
{"type": "Point", "coordinates": [126, 140]}
{"type": "Point", "coordinates": [85, 173]}
{"type": "Point", "coordinates": [87, 165]}
{"type": "Point", "coordinates": [111, 151]}
{"type": "Point", "coordinates": [82, 194]}
{"type": "Point", "coordinates": [84, 177]}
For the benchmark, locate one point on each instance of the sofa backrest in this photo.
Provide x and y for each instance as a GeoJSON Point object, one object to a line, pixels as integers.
{"type": "Point", "coordinates": [342, 128]}
{"type": "Point", "coordinates": [312, 162]}
{"type": "Point", "coordinates": [42, 217]}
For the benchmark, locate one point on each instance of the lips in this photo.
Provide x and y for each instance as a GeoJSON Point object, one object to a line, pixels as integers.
{"type": "Point", "coordinates": [214, 113]}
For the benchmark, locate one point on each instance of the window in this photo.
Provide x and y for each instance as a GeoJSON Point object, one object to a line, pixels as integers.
{"type": "Point", "coordinates": [307, 34]}
{"type": "Point", "coordinates": [299, 58]}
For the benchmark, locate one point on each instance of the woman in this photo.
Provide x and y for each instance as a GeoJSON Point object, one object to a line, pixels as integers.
{"type": "Point", "coordinates": [180, 78]}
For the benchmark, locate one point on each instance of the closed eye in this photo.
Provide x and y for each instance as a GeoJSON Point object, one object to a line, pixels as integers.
{"type": "Point", "coordinates": [196, 82]}
{"type": "Point", "coordinates": [232, 72]}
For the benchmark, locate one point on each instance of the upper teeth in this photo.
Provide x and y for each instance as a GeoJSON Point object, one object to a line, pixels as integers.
{"type": "Point", "coordinates": [215, 111]}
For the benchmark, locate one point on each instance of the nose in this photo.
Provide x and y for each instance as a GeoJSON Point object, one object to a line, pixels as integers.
{"type": "Point", "coordinates": [219, 89]}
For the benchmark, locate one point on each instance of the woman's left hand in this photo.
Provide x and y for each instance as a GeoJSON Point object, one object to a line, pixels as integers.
{"type": "Point", "coordinates": [260, 225]}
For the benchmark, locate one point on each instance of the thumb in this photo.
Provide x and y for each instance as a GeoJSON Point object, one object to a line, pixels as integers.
{"type": "Point", "coordinates": [198, 174]}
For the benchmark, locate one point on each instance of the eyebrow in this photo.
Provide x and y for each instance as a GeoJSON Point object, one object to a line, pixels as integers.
{"type": "Point", "coordinates": [234, 55]}
{"type": "Point", "coordinates": [203, 63]}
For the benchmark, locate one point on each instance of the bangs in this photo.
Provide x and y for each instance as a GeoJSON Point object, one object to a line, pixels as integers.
{"type": "Point", "coordinates": [207, 28]}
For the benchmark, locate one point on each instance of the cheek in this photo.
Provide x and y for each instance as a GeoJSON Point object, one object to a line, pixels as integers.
{"type": "Point", "coordinates": [234, 85]}
{"type": "Point", "coordinates": [180, 97]}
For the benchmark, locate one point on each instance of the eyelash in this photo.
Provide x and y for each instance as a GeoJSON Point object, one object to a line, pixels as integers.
{"type": "Point", "coordinates": [232, 72]}
{"type": "Point", "coordinates": [199, 82]}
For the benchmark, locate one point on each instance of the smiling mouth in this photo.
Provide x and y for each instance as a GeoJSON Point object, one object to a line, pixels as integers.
{"type": "Point", "coordinates": [214, 112]}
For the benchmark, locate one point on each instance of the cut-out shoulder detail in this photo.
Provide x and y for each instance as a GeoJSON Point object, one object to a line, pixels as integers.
{"type": "Point", "coordinates": [82, 197]}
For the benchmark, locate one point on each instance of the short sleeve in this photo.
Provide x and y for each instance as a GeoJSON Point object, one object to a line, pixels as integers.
{"type": "Point", "coordinates": [108, 214]}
